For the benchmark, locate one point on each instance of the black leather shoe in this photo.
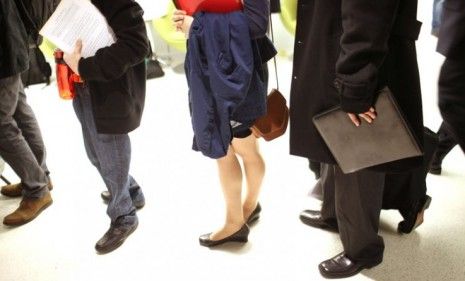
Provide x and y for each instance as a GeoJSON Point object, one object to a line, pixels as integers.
{"type": "Point", "coordinates": [314, 219]}
{"type": "Point", "coordinates": [342, 266]}
{"type": "Point", "coordinates": [415, 219]}
{"type": "Point", "coordinates": [255, 215]}
{"type": "Point", "coordinates": [240, 236]}
{"type": "Point", "coordinates": [137, 200]}
{"type": "Point", "coordinates": [114, 237]}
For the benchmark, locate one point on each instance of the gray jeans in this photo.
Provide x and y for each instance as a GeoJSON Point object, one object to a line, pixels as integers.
{"type": "Point", "coordinates": [111, 155]}
{"type": "Point", "coordinates": [21, 144]}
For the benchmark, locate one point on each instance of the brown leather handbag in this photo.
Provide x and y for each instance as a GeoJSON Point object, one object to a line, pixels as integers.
{"type": "Point", "coordinates": [274, 123]}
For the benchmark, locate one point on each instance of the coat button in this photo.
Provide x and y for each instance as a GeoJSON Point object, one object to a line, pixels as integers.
{"type": "Point", "coordinates": [295, 77]}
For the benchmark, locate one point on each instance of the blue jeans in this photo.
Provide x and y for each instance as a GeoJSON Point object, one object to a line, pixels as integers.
{"type": "Point", "coordinates": [111, 155]}
{"type": "Point", "coordinates": [437, 15]}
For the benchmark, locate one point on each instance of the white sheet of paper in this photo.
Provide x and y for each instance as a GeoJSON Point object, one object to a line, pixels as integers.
{"type": "Point", "coordinates": [78, 19]}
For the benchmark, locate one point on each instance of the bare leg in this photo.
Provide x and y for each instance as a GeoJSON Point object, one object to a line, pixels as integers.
{"type": "Point", "coordinates": [254, 167]}
{"type": "Point", "coordinates": [230, 174]}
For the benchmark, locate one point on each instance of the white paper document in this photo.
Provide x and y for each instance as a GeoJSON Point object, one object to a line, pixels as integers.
{"type": "Point", "coordinates": [78, 19]}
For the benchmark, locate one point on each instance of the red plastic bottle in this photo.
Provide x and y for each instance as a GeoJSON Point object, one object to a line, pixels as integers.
{"type": "Point", "coordinates": [65, 77]}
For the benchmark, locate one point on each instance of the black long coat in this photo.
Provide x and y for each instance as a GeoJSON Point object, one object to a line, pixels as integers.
{"type": "Point", "coordinates": [366, 45]}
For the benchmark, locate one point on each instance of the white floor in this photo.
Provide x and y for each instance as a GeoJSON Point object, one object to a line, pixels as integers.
{"type": "Point", "coordinates": [184, 201]}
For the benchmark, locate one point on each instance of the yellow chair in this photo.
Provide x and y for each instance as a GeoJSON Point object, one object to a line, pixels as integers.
{"type": "Point", "coordinates": [165, 28]}
{"type": "Point", "coordinates": [289, 14]}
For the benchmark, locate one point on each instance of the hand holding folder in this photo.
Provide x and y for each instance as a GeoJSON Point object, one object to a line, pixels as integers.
{"type": "Point", "coordinates": [387, 139]}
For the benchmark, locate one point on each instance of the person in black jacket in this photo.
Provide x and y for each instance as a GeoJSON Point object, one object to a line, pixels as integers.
{"type": "Point", "coordinates": [446, 141]}
{"type": "Point", "coordinates": [109, 105]}
{"type": "Point", "coordinates": [21, 144]}
{"type": "Point", "coordinates": [345, 52]}
{"type": "Point", "coordinates": [451, 44]}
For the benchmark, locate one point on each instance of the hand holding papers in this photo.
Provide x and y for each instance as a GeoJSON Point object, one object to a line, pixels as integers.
{"type": "Point", "coordinates": [78, 19]}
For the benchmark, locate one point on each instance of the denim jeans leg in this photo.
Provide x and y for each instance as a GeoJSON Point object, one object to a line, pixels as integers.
{"type": "Point", "coordinates": [135, 190]}
{"type": "Point", "coordinates": [14, 148]}
{"type": "Point", "coordinates": [113, 154]}
{"type": "Point", "coordinates": [88, 145]}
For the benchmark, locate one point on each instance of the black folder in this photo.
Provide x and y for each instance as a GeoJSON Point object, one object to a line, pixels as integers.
{"type": "Point", "coordinates": [387, 139]}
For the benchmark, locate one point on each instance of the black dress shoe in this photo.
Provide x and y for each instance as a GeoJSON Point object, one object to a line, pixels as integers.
{"type": "Point", "coordinates": [415, 218]}
{"type": "Point", "coordinates": [314, 219]}
{"type": "Point", "coordinates": [137, 200]}
{"type": "Point", "coordinates": [115, 237]}
{"type": "Point", "coordinates": [342, 266]}
{"type": "Point", "coordinates": [240, 236]}
{"type": "Point", "coordinates": [255, 215]}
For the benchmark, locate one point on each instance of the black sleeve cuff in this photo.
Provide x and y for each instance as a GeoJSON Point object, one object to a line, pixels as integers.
{"type": "Point", "coordinates": [355, 98]}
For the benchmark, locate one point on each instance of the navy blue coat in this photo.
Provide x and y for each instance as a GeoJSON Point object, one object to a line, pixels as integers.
{"type": "Point", "coordinates": [225, 78]}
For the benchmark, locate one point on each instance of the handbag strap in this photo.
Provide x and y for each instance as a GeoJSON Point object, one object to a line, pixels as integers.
{"type": "Point", "coordinates": [274, 58]}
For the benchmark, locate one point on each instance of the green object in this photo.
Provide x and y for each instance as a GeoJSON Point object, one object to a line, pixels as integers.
{"type": "Point", "coordinates": [47, 48]}
{"type": "Point", "coordinates": [289, 14]}
{"type": "Point", "coordinates": [164, 26]}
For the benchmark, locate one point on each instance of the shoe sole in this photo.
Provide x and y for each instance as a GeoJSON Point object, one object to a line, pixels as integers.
{"type": "Point", "coordinates": [214, 244]}
{"type": "Point", "coordinates": [418, 220]}
{"type": "Point", "coordinates": [30, 219]}
{"type": "Point", "coordinates": [339, 275]}
{"type": "Point", "coordinates": [420, 216]}
{"type": "Point", "coordinates": [117, 245]}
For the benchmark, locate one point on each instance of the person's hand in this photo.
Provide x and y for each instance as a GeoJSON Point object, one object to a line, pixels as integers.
{"type": "Point", "coordinates": [368, 116]}
{"type": "Point", "coordinates": [182, 21]}
{"type": "Point", "coordinates": [72, 60]}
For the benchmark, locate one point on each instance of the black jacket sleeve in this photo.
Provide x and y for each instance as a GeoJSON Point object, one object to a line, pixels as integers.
{"type": "Point", "coordinates": [131, 47]}
{"type": "Point", "coordinates": [258, 13]}
{"type": "Point", "coordinates": [367, 26]}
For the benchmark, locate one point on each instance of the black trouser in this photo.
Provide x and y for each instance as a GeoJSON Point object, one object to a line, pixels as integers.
{"type": "Point", "coordinates": [355, 200]}
{"type": "Point", "coordinates": [406, 191]}
{"type": "Point", "coordinates": [446, 143]}
{"type": "Point", "coordinates": [452, 98]}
